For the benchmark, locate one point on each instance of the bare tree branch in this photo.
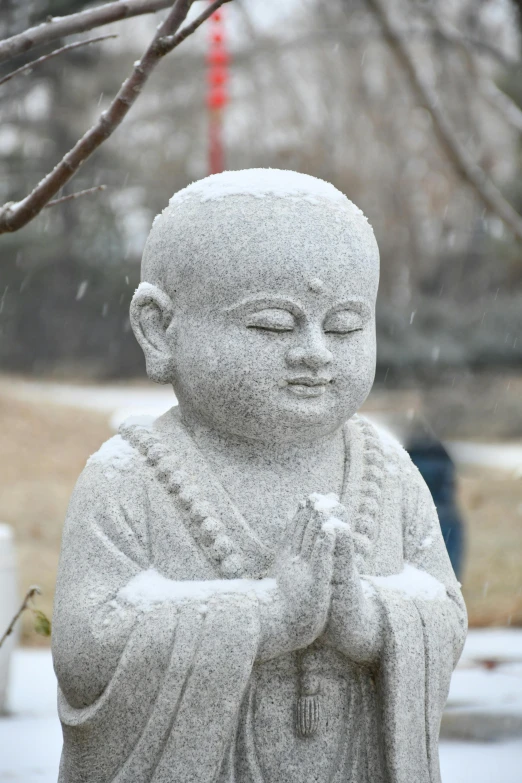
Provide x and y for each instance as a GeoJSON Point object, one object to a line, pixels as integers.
{"type": "Point", "coordinates": [502, 103]}
{"type": "Point", "coordinates": [442, 29]}
{"type": "Point", "coordinates": [73, 196]}
{"type": "Point", "coordinates": [467, 167]}
{"type": "Point", "coordinates": [496, 98]}
{"type": "Point", "coordinates": [33, 63]}
{"type": "Point", "coordinates": [14, 216]}
{"type": "Point", "coordinates": [34, 590]}
{"type": "Point", "coordinates": [61, 26]}
{"type": "Point", "coordinates": [172, 41]}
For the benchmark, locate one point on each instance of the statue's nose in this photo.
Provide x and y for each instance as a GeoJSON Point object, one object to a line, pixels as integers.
{"type": "Point", "coordinates": [312, 353]}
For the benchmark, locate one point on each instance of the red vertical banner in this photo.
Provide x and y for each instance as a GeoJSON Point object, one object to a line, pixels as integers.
{"type": "Point", "coordinates": [217, 95]}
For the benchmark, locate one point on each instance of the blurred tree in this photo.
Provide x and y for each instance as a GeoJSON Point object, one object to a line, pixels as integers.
{"type": "Point", "coordinates": [315, 88]}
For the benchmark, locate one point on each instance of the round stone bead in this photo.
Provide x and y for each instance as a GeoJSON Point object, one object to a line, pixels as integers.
{"type": "Point", "coordinates": [187, 495]}
{"type": "Point", "coordinates": [155, 453]}
{"type": "Point", "coordinates": [222, 546]}
{"type": "Point", "coordinates": [232, 566]}
{"type": "Point", "coordinates": [176, 480]}
{"type": "Point", "coordinates": [200, 511]}
{"type": "Point", "coordinates": [211, 528]}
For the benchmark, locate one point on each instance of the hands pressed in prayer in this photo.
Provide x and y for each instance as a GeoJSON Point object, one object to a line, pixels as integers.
{"type": "Point", "coordinates": [319, 586]}
{"type": "Point", "coordinates": [304, 570]}
{"type": "Point", "coordinates": [355, 622]}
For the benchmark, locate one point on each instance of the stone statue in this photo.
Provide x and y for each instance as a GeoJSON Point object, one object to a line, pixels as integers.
{"type": "Point", "coordinates": [253, 588]}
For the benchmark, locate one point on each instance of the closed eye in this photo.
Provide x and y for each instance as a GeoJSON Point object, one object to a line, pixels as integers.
{"type": "Point", "coordinates": [343, 322]}
{"type": "Point", "coordinates": [271, 320]}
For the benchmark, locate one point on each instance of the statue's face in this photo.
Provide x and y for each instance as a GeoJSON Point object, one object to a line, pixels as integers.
{"type": "Point", "coordinates": [273, 336]}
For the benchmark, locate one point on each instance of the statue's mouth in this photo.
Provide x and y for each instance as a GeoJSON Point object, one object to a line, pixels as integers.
{"type": "Point", "coordinates": [307, 386]}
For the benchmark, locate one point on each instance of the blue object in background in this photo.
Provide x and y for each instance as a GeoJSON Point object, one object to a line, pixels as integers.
{"type": "Point", "coordinates": [438, 471]}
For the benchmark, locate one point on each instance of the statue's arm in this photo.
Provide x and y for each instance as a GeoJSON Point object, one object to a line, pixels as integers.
{"type": "Point", "coordinates": [424, 548]}
{"type": "Point", "coordinates": [101, 551]}
{"type": "Point", "coordinates": [357, 621]}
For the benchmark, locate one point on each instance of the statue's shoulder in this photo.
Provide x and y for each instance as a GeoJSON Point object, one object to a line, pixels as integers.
{"type": "Point", "coordinates": [113, 459]}
{"type": "Point", "coordinates": [396, 458]}
{"type": "Point", "coordinates": [117, 463]}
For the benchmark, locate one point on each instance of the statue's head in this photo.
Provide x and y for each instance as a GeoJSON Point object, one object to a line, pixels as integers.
{"type": "Point", "coordinates": [258, 304]}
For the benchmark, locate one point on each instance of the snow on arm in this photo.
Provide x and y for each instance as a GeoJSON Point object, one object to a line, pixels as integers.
{"type": "Point", "coordinates": [411, 583]}
{"type": "Point", "coordinates": [150, 588]}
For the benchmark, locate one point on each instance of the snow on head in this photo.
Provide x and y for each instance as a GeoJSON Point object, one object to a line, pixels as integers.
{"type": "Point", "coordinates": [263, 183]}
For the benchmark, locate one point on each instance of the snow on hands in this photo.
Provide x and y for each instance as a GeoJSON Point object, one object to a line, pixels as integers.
{"type": "Point", "coordinates": [326, 503]}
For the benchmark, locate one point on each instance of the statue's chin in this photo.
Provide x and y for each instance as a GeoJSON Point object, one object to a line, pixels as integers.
{"type": "Point", "coordinates": [296, 424]}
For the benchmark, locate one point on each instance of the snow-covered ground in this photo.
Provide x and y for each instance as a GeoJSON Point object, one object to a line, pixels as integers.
{"type": "Point", "coordinates": [30, 735]}
{"type": "Point", "coordinates": [119, 401]}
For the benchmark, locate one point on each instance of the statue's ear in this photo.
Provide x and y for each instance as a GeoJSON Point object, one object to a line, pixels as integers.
{"type": "Point", "coordinates": [151, 312]}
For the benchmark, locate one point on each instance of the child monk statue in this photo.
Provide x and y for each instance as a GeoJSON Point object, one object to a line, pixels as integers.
{"type": "Point", "coordinates": [253, 588]}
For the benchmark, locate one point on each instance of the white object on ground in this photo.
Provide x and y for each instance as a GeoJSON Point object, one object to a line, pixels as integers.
{"type": "Point", "coordinates": [474, 762]}
{"type": "Point", "coordinates": [8, 603]}
{"type": "Point", "coordinates": [30, 734]}
{"type": "Point", "coordinates": [501, 645]}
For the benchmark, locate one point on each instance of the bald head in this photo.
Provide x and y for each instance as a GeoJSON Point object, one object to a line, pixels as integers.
{"type": "Point", "coordinates": [250, 280]}
{"type": "Point", "coordinates": [260, 223]}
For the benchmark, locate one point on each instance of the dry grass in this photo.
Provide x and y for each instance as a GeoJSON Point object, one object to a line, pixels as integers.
{"type": "Point", "coordinates": [492, 584]}
{"type": "Point", "coordinates": [44, 448]}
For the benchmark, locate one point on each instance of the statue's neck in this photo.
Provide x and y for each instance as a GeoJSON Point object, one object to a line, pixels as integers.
{"type": "Point", "coordinates": [258, 453]}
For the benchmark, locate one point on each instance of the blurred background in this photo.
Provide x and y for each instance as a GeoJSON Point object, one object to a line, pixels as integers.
{"type": "Point", "coordinates": [313, 86]}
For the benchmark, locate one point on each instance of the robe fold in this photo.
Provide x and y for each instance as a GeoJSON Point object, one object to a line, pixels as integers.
{"type": "Point", "coordinates": [173, 691]}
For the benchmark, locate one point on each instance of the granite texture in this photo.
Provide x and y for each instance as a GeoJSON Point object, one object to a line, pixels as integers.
{"type": "Point", "coordinates": [254, 588]}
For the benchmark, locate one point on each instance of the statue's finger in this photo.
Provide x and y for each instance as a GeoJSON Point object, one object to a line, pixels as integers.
{"type": "Point", "coordinates": [322, 557]}
{"type": "Point", "coordinates": [311, 532]}
{"type": "Point", "coordinates": [344, 571]}
{"type": "Point", "coordinates": [297, 529]}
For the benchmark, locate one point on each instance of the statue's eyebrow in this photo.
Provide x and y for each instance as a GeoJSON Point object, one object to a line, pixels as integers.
{"type": "Point", "coordinates": [257, 302]}
{"type": "Point", "coordinates": [356, 305]}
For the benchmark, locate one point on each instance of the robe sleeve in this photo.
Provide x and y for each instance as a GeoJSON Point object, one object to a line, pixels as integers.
{"type": "Point", "coordinates": [144, 695]}
{"type": "Point", "coordinates": [423, 640]}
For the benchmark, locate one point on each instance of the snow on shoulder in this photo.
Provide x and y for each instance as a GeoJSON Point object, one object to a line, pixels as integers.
{"type": "Point", "coordinates": [150, 588]}
{"type": "Point", "coordinates": [262, 183]}
{"type": "Point", "coordinates": [114, 455]}
{"type": "Point", "coordinates": [411, 582]}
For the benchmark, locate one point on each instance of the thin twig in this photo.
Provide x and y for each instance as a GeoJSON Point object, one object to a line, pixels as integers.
{"type": "Point", "coordinates": [72, 196]}
{"type": "Point", "coordinates": [467, 167]}
{"type": "Point", "coordinates": [174, 40]}
{"type": "Point", "coordinates": [34, 590]}
{"type": "Point", "coordinates": [14, 216]}
{"type": "Point", "coordinates": [55, 53]}
{"type": "Point", "coordinates": [501, 102]}
{"type": "Point", "coordinates": [61, 26]}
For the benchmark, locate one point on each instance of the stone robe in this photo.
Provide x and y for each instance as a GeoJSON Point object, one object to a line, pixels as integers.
{"type": "Point", "coordinates": [175, 692]}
